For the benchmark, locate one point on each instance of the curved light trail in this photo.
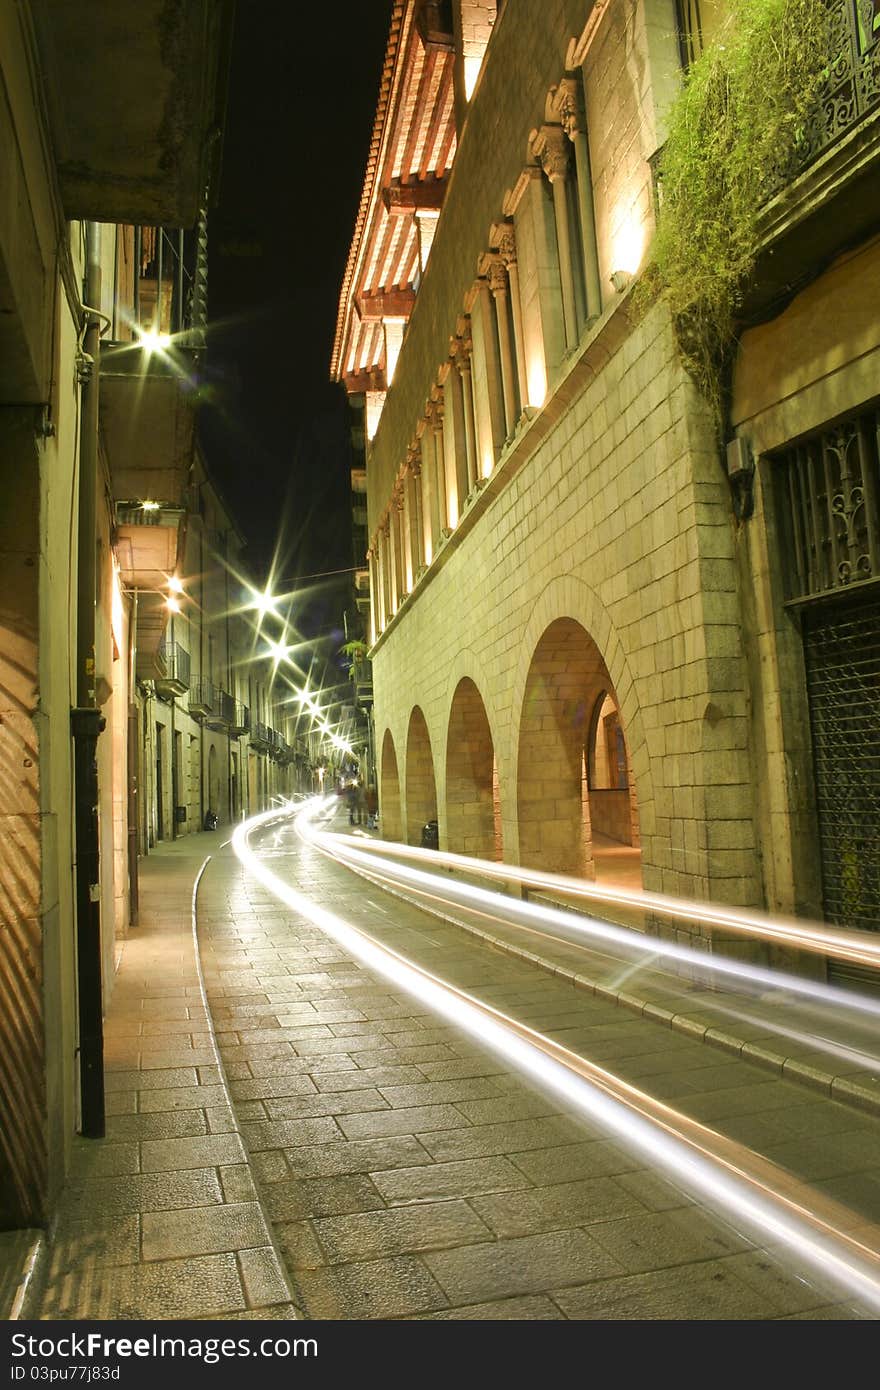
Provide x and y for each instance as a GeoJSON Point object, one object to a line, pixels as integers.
{"type": "Point", "coordinates": [830, 1240]}
{"type": "Point", "coordinates": [859, 948]}
{"type": "Point", "coordinates": [574, 927]}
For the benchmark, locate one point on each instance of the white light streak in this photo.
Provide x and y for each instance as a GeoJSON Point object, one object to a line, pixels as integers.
{"type": "Point", "coordinates": [745, 1187]}
{"type": "Point", "coordinates": [573, 926]}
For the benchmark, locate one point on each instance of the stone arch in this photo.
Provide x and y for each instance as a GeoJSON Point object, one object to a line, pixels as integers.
{"type": "Point", "coordinates": [473, 808]}
{"type": "Point", "coordinates": [389, 791]}
{"type": "Point", "coordinates": [567, 687]}
{"type": "Point", "coordinates": [610, 785]}
{"type": "Point", "coordinates": [569, 597]}
{"type": "Point", "coordinates": [421, 787]}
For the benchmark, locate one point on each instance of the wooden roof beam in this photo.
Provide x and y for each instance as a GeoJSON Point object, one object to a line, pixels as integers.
{"type": "Point", "coordinates": [400, 199]}
{"type": "Point", "coordinates": [367, 379]}
{"type": "Point", "coordinates": [386, 304]}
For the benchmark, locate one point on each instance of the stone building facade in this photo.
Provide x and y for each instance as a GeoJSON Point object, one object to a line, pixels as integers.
{"type": "Point", "coordinates": [585, 653]}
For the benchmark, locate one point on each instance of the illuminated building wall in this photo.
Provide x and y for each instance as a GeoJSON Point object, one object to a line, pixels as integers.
{"type": "Point", "coordinates": [581, 548]}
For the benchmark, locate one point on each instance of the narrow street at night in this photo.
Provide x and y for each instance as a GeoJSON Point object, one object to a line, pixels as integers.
{"type": "Point", "coordinates": [439, 679]}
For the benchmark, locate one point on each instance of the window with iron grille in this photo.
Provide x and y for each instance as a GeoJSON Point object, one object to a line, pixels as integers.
{"type": "Point", "coordinates": [828, 499]}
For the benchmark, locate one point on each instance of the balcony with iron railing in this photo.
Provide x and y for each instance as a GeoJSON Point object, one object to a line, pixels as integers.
{"type": "Point", "coordinates": [822, 195]}
{"type": "Point", "coordinates": [149, 362]}
{"type": "Point", "coordinates": [825, 196]}
{"type": "Point", "coordinates": [202, 695]}
{"type": "Point", "coordinates": [173, 660]}
{"type": "Point", "coordinates": [362, 680]}
{"type": "Point", "coordinates": [260, 739]}
{"type": "Point", "coordinates": [241, 719]}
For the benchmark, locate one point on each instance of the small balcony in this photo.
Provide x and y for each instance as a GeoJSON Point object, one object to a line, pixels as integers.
{"type": "Point", "coordinates": [221, 717]}
{"type": "Point", "coordinates": [174, 660]}
{"type": "Point", "coordinates": [826, 198]}
{"type": "Point", "coordinates": [241, 719]}
{"type": "Point", "coordinates": [362, 680]}
{"type": "Point", "coordinates": [202, 695]}
{"type": "Point", "coordinates": [135, 95]}
{"type": "Point", "coordinates": [260, 739]}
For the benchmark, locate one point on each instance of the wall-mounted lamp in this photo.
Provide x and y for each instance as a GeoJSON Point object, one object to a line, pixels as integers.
{"type": "Point", "coordinates": [620, 279]}
{"type": "Point", "coordinates": [741, 474]}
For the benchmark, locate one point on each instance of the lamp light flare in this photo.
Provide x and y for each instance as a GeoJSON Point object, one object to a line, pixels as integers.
{"type": "Point", "coordinates": [151, 340]}
{"type": "Point", "coordinates": [264, 604]}
{"type": "Point", "coordinates": [150, 506]}
{"type": "Point", "coordinates": [175, 584]}
{"type": "Point", "coordinates": [775, 1207]}
{"type": "Point", "coordinates": [172, 604]}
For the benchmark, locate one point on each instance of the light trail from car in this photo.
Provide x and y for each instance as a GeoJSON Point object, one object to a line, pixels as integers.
{"type": "Point", "coordinates": [833, 1242]}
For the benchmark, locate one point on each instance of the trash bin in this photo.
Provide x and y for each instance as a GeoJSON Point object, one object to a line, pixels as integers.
{"type": "Point", "coordinates": [431, 835]}
{"type": "Point", "coordinates": [180, 815]}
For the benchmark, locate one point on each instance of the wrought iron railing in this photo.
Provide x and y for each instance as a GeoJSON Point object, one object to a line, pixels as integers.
{"type": "Point", "coordinates": [175, 660]}
{"type": "Point", "coordinates": [828, 494]}
{"type": "Point", "coordinates": [852, 85]}
{"type": "Point", "coordinates": [202, 695]}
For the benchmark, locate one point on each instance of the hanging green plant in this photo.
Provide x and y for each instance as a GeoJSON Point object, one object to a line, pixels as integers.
{"type": "Point", "coordinates": [736, 127]}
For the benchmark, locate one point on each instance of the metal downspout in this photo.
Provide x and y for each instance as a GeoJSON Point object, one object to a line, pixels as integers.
{"type": "Point", "coordinates": [87, 723]}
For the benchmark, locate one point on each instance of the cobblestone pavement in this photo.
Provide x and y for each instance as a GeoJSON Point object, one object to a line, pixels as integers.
{"type": "Point", "coordinates": [408, 1173]}
{"type": "Point", "coordinates": [161, 1218]}
{"type": "Point", "coordinates": [399, 1170]}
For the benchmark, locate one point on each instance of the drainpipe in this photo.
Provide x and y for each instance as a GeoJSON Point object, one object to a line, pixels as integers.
{"type": "Point", "coordinates": [87, 723]}
{"type": "Point", "coordinates": [133, 769]}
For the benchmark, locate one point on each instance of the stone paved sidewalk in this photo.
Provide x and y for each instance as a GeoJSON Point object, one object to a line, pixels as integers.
{"type": "Point", "coordinates": [161, 1219]}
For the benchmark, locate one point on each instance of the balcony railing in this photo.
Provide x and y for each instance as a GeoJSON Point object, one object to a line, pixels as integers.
{"type": "Point", "coordinates": [174, 660]}
{"type": "Point", "coordinates": [260, 735]}
{"type": "Point", "coordinates": [362, 680]}
{"type": "Point", "coordinates": [201, 697]}
{"type": "Point", "coordinates": [852, 84]}
{"type": "Point", "coordinates": [241, 719]}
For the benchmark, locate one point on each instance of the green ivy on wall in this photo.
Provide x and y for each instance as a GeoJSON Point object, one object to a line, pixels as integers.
{"type": "Point", "coordinates": [733, 130]}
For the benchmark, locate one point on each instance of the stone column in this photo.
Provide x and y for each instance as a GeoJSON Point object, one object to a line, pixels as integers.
{"type": "Point", "coordinates": [436, 423]}
{"type": "Point", "coordinates": [507, 252]}
{"type": "Point", "coordinates": [574, 125]}
{"type": "Point", "coordinates": [463, 365]}
{"type": "Point", "coordinates": [552, 151]}
{"type": "Point", "coordinates": [382, 578]}
{"type": "Point", "coordinates": [374, 594]}
{"type": "Point", "coordinates": [404, 512]}
{"type": "Point", "coordinates": [429, 492]}
{"type": "Point", "coordinates": [414, 469]}
{"type": "Point", "coordinates": [498, 286]}
{"type": "Point", "coordinates": [392, 538]}
{"type": "Point", "coordinates": [488, 388]}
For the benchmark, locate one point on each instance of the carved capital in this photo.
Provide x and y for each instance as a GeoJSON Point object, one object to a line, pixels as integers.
{"type": "Point", "coordinates": [550, 147]}
{"type": "Point", "coordinates": [497, 276]}
{"type": "Point", "coordinates": [504, 242]}
{"type": "Point", "coordinates": [569, 107]}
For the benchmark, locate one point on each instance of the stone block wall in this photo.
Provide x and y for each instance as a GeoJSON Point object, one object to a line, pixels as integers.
{"type": "Point", "coordinates": [619, 521]}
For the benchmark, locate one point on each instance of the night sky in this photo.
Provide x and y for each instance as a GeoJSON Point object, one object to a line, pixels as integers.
{"type": "Point", "coordinates": [303, 88]}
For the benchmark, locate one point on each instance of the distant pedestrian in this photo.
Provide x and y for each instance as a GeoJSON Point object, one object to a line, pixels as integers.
{"type": "Point", "coordinates": [351, 798]}
{"type": "Point", "coordinates": [360, 803]}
